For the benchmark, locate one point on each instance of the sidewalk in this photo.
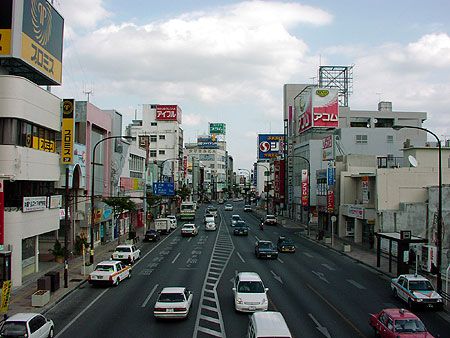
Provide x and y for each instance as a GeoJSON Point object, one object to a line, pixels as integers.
{"type": "Point", "coordinates": [20, 300]}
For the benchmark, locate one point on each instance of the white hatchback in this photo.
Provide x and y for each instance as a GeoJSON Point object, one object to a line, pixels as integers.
{"type": "Point", "coordinates": [31, 325]}
{"type": "Point", "coordinates": [250, 295]}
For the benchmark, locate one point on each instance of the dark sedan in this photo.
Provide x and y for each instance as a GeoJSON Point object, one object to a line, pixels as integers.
{"type": "Point", "coordinates": [241, 228]}
{"type": "Point", "coordinates": [285, 244]}
{"type": "Point", "coordinates": [151, 235]}
{"type": "Point", "coordinates": [266, 249]}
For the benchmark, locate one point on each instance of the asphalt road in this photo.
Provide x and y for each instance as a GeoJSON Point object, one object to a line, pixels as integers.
{"type": "Point", "coordinates": [320, 293]}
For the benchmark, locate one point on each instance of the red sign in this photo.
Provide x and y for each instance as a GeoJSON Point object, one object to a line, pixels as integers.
{"type": "Point", "coordinates": [330, 201]}
{"type": "Point", "coordinates": [305, 120]}
{"type": "Point", "coordinates": [185, 165]}
{"type": "Point", "coordinates": [168, 113]}
{"type": "Point", "coordinates": [279, 178]}
{"type": "Point", "coordinates": [2, 214]}
{"type": "Point", "coordinates": [305, 188]}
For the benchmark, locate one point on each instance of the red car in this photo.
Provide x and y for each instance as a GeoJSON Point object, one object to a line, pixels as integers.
{"type": "Point", "coordinates": [398, 323]}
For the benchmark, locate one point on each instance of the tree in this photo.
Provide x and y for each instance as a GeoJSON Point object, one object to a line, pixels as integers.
{"type": "Point", "coordinates": [119, 205]}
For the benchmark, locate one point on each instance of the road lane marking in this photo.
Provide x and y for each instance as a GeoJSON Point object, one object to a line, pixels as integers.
{"type": "Point", "coordinates": [319, 326]}
{"type": "Point", "coordinates": [210, 332]}
{"type": "Point", "coordinates": [280, 260]}
{"type": "Point", "coordinates": [339, 313]}
{"type": "Point", "coordinates": [149, 296]}
{"type": "Point", "coordinates": [151, 250]}
{"type": "Point", "coordinates": [176, 257]}
{"type": "Point", "coordinates": [359, 286]}
{"type": "Point", "coordinates": [328, 267]}
{"type": "Point", "coordinates": [210, 319]}
{"type": "Point", "coordinates": [190, 238]}
{"type": "Point", "coordinates": [308, 254]}
{"type": "Point", "coordinates": [81, 313]}
{"type": "Point", "coordinates": [278, 278]}
{"type": "Point", "coordinates": [240, 257]}
{"type": "Point", "coordinates": [321, 276]}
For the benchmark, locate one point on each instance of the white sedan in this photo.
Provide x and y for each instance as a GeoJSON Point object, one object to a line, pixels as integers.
{"type": "Point", "coordinates": [31, 325]}
{"type": "Point", "coordinates": [189, 229]}
{"type": "Point", "coordinates": [173, 302]}
{"type": "Point", "coordinates": [109, 273]}
{"type": "Point", "coordinates": [228, 207]}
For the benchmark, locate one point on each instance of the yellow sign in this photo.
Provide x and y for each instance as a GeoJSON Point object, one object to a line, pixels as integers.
{"type": "Point", "coordinates": [5, 41]}
{"type": "Point", "coordinates": [6, 293]}
{"type": "Point", "coordinates": [67, 137]}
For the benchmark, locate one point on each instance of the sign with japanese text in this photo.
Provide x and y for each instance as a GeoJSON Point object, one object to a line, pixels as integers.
{"type": "Point", "coordinates": [207, 142]}
{"type": "Point", "coordinates": [35, 203]}
{"type": "Point", "coordinates": [330, 173]}
{"type": "Point", "coordinates": [365, 189]}
{"type": "Point", "coordinates": [6, 293]}
{"type": "Point", "coordinates": [55, 201]}
{"type": "Point", "coordinates": [305, 188]}
{"type": "Point", "coordinates": [279, 178]}
{"type": "Point", "coordinates": [5, 26]}
{"type": "Point", "coordinates": [163, 188]}
{"type": "Point", "coordinates": [168, 113]}
{"type": "Point", "coordinates": [327, 148]}
{"type": "Point", "coordinates": [217, 128]}
{"type": "Point", "coordinates": [67, 131]}
{"type": "Point", "coordinates": [270, 146]}
{"type": "Point", "coordinates": [330, 201]}
{"type": "Point", "coordinates": [356, 211]}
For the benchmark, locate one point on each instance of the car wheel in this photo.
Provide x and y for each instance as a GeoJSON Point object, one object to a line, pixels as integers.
{"type": "Point", "coordinates": [51, 334]}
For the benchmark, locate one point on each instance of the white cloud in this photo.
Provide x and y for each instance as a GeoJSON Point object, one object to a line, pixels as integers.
{"type": "Point", "coordinates": [82, 13]}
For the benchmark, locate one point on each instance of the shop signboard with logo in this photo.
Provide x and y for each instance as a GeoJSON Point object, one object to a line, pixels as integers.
{"type": "Point", "coordinates": [67, 131]}
{"type": "Point", "coordinates": [365, 189]}
{"type": "Point", "coordinates": [356, 211]}
{"type": "Point", "coordinates": [168, 113]}
{"type": "Point", "coordinates": [330, 201]}
{"type": "Point", "coordinates": [330, 173]}
{"type": "Point", "coordinates": [270, 146]}
{"type": "Point", "coordinates": [328, 148]}
{"type": "Point", "coordinates": [6, 7]}
{"type": "Point", "coordinates": [35, 203]}
{"type": "Point", "coordinates": [217, 128]}
{"type": "Point", "coordinates": [305, 188]}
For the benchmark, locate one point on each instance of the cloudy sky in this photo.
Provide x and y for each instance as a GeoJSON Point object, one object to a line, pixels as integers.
{"type": "Point", "coordinates": [227, 61]}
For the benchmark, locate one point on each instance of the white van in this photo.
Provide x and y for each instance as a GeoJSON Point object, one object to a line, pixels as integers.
{"type": "Point", "coordinates": [268, 324]}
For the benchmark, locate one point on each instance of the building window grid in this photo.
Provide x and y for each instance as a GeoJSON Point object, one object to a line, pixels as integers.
{"type": "Point", "coordinates": [390, 138]}
{"type": "Point", "coordinates": [153, 138]}
{"type": "Point", "coordinates": [361, 139]}
{"type": "Point", "coordinates": [162, 137]}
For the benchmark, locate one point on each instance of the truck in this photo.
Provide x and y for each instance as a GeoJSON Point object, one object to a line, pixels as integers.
{"type": "Point", "coordinates": [187, 210]}
{"type": "Point", "coordinates": [163, 225]}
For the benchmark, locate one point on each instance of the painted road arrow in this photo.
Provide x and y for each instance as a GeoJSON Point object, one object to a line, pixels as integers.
{"type": "Point", "coordinates": [321, 276]}
{"type": "Point", "coordinates": [319, 326]}
{"type": "Point", "coordinates": [278, 278]}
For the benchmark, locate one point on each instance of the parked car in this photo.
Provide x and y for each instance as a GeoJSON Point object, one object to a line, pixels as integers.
{"type": "Point", "coordinates": [265, 249]}
{"type": "Point", "coordinates": [285, 244]}
{"type": "Point", "coordinates": [189, 229]}
{"type": "Point", "coordinates": [228, 207]}
{"type": "Point", "coordinates": [234, 219]}
{"type": "Point", "coordinates": [173, 302]}
{"type": "Point", "coordinates": [174, 222]}
{"type": "Point", "coordinates": [247, 208]}
{"type": "Point", "coordinates": [241, 228]}
{"type": "Point", "coordinates": [267, 324]}
{"type": "Point", "coordinates": [210, 226]}
{"type": "Point", "coordinates": [397, 323]}
{"type": "Point", "coordinates": [270, 220]}
{"type": "Point", "coordinates": [249, 293]}
{"type": "Point", "coordinates": [126, 253]}
{"type": "Point", "coordinates": [151, 235]}
{"type": "Point", "coordinates": [30, 325]}
{"type": "Point", "coordinates": [416, 290]}
{"type": "Point", "coordinates": [109, 273]}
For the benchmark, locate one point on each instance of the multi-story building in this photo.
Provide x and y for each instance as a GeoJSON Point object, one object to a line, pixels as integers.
{"type": "Point", "coordinates": [310, 117]}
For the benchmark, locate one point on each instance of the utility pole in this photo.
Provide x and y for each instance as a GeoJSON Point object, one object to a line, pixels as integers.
{"type": "Point", "coordinates": [147, 150]}
{"type": "Point", "coordinates": [66, 230]}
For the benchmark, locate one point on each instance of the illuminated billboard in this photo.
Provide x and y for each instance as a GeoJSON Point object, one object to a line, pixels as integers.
{"type": "Point", "coordinates": [270, 146]}
{"type": "Point", "coordinates": [168, 113]}
{"type": "Point", "coordinates": [318, 108]}
{"type": "Point", "coordinates": [31, 40]}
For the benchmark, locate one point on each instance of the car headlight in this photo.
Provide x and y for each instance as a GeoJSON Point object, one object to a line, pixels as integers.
{"type": "Point", "coordinates": [239, 301]}
{"type": "Point", "coordinates": [419, 300]}
{"type": "Point", "coordinates": [439, 300]}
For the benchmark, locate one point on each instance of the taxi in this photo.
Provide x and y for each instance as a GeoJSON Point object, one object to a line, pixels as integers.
{"type": "Point", "coordinates": [416, 290]}
{"type": "Point", "coordinates": [109, 273]}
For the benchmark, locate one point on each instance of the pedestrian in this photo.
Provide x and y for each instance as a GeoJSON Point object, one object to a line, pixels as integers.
{"type": "Point", "coordinates": [371, 240]}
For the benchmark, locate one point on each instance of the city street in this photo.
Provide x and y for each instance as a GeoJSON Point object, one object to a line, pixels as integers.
{"type": "Point", "coordinates": [320, 293]}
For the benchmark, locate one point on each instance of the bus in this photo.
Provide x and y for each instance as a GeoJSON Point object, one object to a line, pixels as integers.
{"type": "Point", "coordinates": [187, 211]}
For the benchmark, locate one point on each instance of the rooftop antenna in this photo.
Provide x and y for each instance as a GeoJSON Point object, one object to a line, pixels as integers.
{"type": "Point", "coordinates": [135, 114]}
{"type": "Point", "coordinates": [88, 92]}
{"type": "Point", "coordinates": [379, 96]}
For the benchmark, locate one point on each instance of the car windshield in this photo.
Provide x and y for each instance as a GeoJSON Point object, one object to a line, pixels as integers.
{"type": "Point", "coordinates": [123, 249]}
{"type": "Point", "coordinates": [270, 217]}
{"type": "Point", "coordinates": [409, 325]}
{"type": "Point", "coordinates": [420, 285]}
{"type": "Point", "coordinates": [108, 268]}
{"type": "Point", "coordinates": [171, 297]}
{"type": "Point", "coordinates": [241, 224]}
{"type": "Point", "coordinates": [250, 287]}
{"type": "Point", "coordinates": [286, 241]}
{"type": "Point", "coordinates": [188, 227]}
{"type": "Point", "coordinates": [212, 209]}
{"type": "Point", "coordinates": [265, 245]}
{"type": "Point", "coordinates": [13, 329]}
{"type": "Point", "coordinates": [151, 232]}
{"type": "Point", "coordinates": [235, 218]}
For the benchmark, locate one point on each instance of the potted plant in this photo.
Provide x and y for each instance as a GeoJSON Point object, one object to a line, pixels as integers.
{"type": "Point", "coordinates": [58, 251]}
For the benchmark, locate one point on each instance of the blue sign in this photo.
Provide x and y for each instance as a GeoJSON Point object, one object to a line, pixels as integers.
{"type": "Point", "coordinates": [163, 188]}
{"type": "Point", "coordinates": [330, 175]}
{"type": "Point", "coordinates": [270, 146]}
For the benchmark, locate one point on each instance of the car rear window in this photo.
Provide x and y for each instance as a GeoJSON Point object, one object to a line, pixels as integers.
{"type": "Point", "coordinates": [171, 297]}
{"type": "Point", "coordinates": [123, 249]}
{"type": "Point", "coordinates": [14, 329]}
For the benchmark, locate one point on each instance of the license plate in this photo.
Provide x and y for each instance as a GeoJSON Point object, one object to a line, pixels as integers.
{"type": "Point", "coordinates": [252, 308]}
{"type": "Point", "coordinates": [169, 310]}
{"type": "Point", "coordinates": [99, 277]}
{"type": "Point", "coordinates": [269, 255]}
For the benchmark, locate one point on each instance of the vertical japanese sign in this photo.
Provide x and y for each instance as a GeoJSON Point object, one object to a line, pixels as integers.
{"type": "Point", "coordinates": [2, 214]}
{"type": "Point", "coordinates": [330, 173]}
{"type": "Point", "coordinates": [67, 130]}
{"type": "Point", "coordinates": [327, 148]}
{"type": "Point", "coordinates": [365, 189]}
{"type": "Point", "coordinates": [185, 166]}
{"type": "Point", "coordinates": [6, 293]}
{"type": "Point", "coordinates": [330, 201]}
{"type": "Point", "coordinates": [305, 188]}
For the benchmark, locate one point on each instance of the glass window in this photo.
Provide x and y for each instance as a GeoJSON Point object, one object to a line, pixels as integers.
{"type": "Point", "coordinates": [8, 131]}
{"type": "Point", "coordinates": [152, 138]}
{"type": "Point", "coordinates": [162, 152]}
{"type": "Point", "coordinates": [153, 124]}
{"type": "Point", "coordinates": [162, 137]}
{"type": "Point", "coordinates": [390, 138]}
{"type": "Point", "coordinates": [361, 139]}
{"type": "Point", "coordinates": [14, 329]}
{"type": "Point", "coordinates": [152, 153]}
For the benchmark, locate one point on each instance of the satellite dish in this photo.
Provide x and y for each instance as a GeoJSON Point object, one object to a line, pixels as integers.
{"type": "Point", "coordinates": [412, 161]}
{"type": "Point", "coordinates": [375, 121]}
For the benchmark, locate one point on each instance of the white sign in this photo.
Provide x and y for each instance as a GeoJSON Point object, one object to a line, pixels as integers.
{"type": "Point", "coordinates": [55, 201]}
{"type": "Point", "coordinates": [34, 203]}
{"type": "Point", "coordinates": [355, 211]}
{"type": "Point", "coordinates": [327, 148]}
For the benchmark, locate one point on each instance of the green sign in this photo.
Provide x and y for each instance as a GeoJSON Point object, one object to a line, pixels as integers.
{"type": "Point", "coordinates": [217, 128]}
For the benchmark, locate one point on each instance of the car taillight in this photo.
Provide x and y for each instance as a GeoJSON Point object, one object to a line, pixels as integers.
{"type": "Point", "coordinates": [159, 309]}
{"type": "Point", "coordinates": [180, 309]}
{"type": "Point", "coordinates": [110, 278]}
{"type": "Point", "coordinates": [89, 277]}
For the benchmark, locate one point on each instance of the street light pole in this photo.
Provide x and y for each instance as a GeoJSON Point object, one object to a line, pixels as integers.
{"type": "Point", "coordinates": [439, 220]}
{"type": "Point", "coordinates": [91, 254]}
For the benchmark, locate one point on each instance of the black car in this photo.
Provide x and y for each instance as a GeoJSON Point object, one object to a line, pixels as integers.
{"type": "Point", "coordinates": [151, 235]}
{"type": "Point", "coordinates": [285, 244]}
{"type": "Point", "coordinates": [241, 228]}
{"type": "Point", "coordinates": [266, 249]}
